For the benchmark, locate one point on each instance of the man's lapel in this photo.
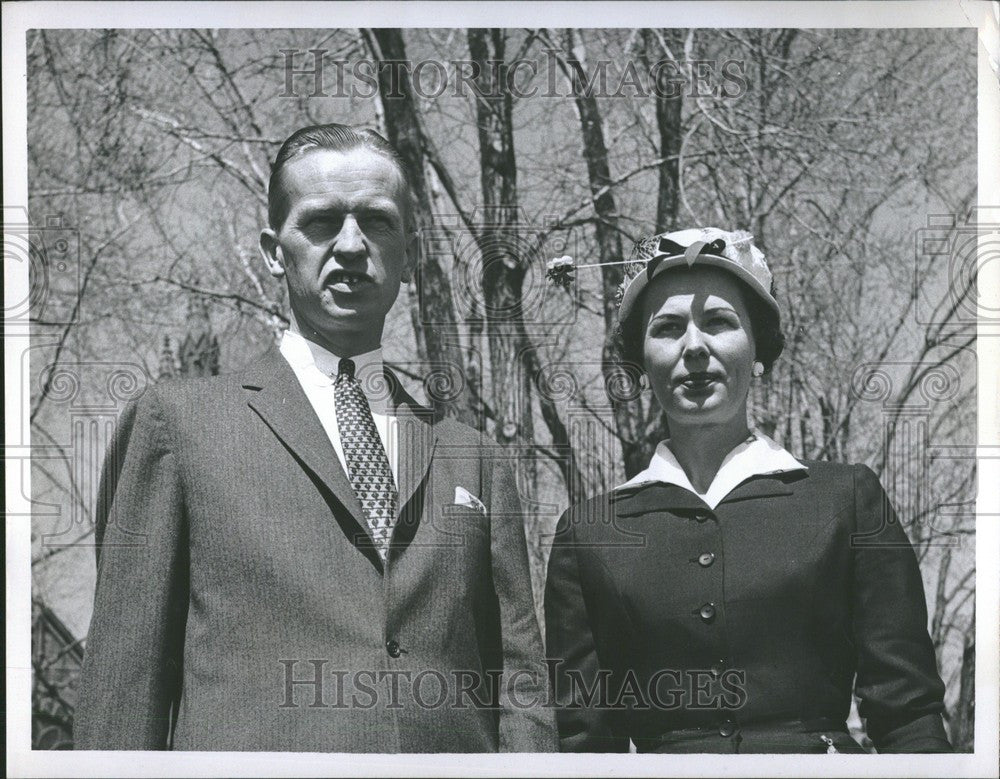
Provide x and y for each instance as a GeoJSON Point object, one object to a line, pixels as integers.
{"type": "Point", "coordinates": [277, 397]}
{"type": "Point", "coordinates": [416, 438]}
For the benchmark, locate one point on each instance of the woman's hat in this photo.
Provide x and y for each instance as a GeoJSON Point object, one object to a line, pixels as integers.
{"type": "Point", "coordinates": [730, 251]}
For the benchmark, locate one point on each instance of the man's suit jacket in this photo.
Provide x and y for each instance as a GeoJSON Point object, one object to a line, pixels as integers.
{"type": "Point", "coordinates": [747, 622]}
{"type": "Point", "coordinates": [241, 604]}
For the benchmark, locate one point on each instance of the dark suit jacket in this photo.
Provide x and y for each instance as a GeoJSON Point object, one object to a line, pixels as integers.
{"type": "Point", "coordinates": [747, 623]}
{"type": "Point", "coordinates": [241, 605]}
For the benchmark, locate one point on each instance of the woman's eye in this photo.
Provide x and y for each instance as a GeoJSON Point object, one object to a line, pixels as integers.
{"type": "Point", "coordinates": [721, 322]}
{"type": "Point", "coordinates": [666, 328]}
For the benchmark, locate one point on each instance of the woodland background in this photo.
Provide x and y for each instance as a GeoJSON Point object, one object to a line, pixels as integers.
{"type": "Point", "coordinates": [849, 154]}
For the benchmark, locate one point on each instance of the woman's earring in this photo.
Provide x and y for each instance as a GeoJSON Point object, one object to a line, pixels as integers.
{"type": "Point", "coordinates": [758, 369]}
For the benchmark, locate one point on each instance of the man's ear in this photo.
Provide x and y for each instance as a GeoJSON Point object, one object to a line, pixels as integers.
{"type": "Point", "coordinates": [411, 254]}
{"type": "Point", "coordinates": [270, 250]}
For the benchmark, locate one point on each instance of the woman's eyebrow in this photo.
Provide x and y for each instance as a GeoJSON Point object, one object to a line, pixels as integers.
{"type": "Point", "coordinates": [722, 309]}
{"type": "Point", "coordinates": [665, 317]}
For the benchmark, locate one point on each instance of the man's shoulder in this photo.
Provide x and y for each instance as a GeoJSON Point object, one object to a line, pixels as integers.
{"type": "Point", "coordinates": [205, 392]}
{"type": "Point", "coordinates": [185, 385]}
{"type": "Point", "coordinates": [461, 434]}
{"type": "Point", "coordinates": [183, 388]}
{"type": "Point", "coordinates": [446, 428]}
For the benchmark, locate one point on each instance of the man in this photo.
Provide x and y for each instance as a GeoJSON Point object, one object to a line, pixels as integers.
{"type": "Point", "coordinates": [299, 557]}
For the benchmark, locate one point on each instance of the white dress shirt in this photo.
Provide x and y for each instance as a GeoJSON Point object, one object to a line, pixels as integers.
{"type": "Point", "coordinates": [316, 369]}
{"type": "Point", "coordinates": [756, 456]}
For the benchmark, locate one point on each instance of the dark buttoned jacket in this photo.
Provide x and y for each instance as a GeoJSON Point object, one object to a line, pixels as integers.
{"type": "Point", "coordinates": [241, 604]}
{"type": "Point", "coordinates": [741, 629]}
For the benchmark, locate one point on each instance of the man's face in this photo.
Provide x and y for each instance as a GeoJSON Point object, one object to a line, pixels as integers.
{"type": "Point", "coordinates": [343, 248]}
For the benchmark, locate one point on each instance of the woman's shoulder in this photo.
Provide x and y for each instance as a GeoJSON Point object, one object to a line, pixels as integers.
{"type": "Point", "coordinates": [853, 483]}
{"type": "Point", "coordinates": [589, 514]}
{"type": "Point", "coordinates": [591, 505]}
{"type": "Point", "coordinates": [833, 471]}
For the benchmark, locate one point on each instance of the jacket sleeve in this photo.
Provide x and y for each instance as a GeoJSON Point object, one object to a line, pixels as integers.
{"type": "Point", "coordinates": [527, 723]}
{"type": "Point", "coordinates": [132, 664]}
{"type": "Point", "coordinates": [901, 694]}
{"type": "Point", "coordinates": [586, 723]}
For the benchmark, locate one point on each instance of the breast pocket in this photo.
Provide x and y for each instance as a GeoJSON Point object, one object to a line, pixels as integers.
{"type": "Point", "coordinates": [459, 525]}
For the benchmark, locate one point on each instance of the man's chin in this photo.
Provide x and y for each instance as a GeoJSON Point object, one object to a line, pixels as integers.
{"type": "Point", "coordinates": [354, 315]}
{"type": "Point", "coordinates": [340, 325]}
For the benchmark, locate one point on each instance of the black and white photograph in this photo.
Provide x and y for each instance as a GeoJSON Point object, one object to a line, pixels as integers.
{"type": "Point", "coordinates": [550, 389]}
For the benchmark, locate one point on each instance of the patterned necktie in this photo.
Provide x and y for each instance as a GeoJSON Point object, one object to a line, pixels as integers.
{"type": "Point", "coordinates": [367, 463]}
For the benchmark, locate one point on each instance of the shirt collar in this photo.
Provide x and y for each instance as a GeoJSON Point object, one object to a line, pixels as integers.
{"type": "Point", "coordinates": [756, 456]}
{"type": "Point", "coordinates": [320, 366]}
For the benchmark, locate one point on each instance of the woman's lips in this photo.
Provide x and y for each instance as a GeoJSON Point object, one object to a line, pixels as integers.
{"type": "Point", "coordinates": [699, 382]}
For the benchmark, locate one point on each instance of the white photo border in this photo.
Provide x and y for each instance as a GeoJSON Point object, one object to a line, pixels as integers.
{"type": "Point", "coordinates": [19, 18]}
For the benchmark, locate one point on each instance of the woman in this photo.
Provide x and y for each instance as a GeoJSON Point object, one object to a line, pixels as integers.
{"type": "Point", "coordinates": [725, 598]}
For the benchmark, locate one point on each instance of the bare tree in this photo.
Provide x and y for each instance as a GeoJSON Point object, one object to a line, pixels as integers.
{"type": "Point", "coordinates": [155, 145]}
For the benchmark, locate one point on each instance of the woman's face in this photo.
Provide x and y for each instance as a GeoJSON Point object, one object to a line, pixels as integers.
{"type": "Point", "coordinates": [698, 347]}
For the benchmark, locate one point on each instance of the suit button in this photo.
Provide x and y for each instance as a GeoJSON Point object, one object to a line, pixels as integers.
{"type": "Point", "coordinates": [727, 728]}
{"type": "Point", "coordinates": [701, 516]}
{"type": "Point", "coordinates": [707, 612]}
{"type": "Point", "coordinates": [392, 647]}
{"type": "Point", "coordinates": [706, 559]}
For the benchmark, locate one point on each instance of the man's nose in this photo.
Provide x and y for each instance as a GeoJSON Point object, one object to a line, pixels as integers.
{"type": "Point", "coordinates": [350, 241]}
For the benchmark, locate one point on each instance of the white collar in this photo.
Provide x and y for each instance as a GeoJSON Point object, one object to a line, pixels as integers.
{"type": "Point", "coordinates": [756, 456]}
{"type": "Point", "coordinates": [320, 366]}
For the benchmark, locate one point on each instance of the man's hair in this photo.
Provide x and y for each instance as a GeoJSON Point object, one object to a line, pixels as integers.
{"type": "Point", "coordinates": [334, 137]}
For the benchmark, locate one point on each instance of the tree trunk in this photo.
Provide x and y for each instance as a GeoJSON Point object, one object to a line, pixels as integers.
{"type": "Point", "coordinates": [963, 721]}
{"type": "Point", "coordinates": [668, 121]}
{"type": "Point", "coordinates": [502, 265]}
{"type": "Point", "coordinates": [627, 411]}
{"type": "Point", "coordinates": [435, 324]}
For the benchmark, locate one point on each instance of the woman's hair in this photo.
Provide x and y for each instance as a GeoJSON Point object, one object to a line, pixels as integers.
{"type": "Point", "coordinates": [765, 328]}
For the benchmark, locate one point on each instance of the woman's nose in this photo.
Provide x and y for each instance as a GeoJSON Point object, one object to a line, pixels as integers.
{"type": "Point", "coordinates": [694, 342]}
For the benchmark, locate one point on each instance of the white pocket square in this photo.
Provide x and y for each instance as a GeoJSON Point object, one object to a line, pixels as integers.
{"type": "Point", "coordinates": [465, 498]}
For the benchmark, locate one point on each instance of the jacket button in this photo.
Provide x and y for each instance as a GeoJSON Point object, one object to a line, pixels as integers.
{"type": "Point", "coordinates": [392, 647]}
{"type": "Point", "coordinates": [707, 612]}
{"type": "Point", "coordinates": [727, 728]}
{"type": "Point", "coordinates": [701, 516]}
{"type": "Point", "coordinates": [706, 559]}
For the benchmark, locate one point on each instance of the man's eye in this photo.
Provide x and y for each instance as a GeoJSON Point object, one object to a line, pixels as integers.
{"type": "Point", "coordinates": [323, 225]}
{"type": "Point", "coordinates": [378, 221]}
